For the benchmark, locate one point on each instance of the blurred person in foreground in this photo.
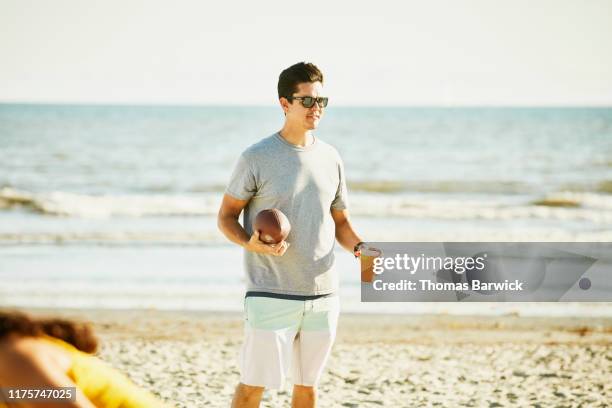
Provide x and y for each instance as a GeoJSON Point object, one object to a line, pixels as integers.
{"type": "Point", "coordinates": [38, 353]}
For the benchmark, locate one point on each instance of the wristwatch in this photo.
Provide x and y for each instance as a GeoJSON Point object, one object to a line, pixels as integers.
{"type": "Point", "coordinates": [357, 249]}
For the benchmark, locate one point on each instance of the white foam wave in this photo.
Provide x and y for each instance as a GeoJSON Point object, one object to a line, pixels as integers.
{"type": "Point", "coordinates": [115, 238]}
{"type": "Point", "coordinates": [584, 200]}
{"type": "Point", "coordinates": [590, 207]}
{"type": "Point", "coordinates": [90, 206]}
{"type": "Point", "coordinates": [182, 238]}
{"type": "Point", "coordinates": [597, 208]}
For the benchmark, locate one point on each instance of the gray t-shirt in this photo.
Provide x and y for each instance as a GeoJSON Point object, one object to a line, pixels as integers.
{"type": "Point", "coordinates": [304, 183]}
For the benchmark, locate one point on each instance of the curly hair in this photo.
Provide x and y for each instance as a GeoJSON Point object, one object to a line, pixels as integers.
{"type": "Point", "coordinates": [80, 335]}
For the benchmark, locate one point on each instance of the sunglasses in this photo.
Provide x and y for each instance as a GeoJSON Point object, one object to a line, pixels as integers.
{"type": "Point", "coordinates": [309, 101]}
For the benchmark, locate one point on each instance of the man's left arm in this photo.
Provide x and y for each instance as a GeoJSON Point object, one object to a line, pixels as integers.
{"type": "Point", "coordinates": [345, 234]}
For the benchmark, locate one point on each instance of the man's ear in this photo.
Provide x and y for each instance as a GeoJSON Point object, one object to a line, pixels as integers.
{"type": "Point", "coordinates": [284, 104]}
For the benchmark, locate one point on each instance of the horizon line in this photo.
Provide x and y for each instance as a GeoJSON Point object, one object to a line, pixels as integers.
{"type": "Point", "coordinates": [247, 105]}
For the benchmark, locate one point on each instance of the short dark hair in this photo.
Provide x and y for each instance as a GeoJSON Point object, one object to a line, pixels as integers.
{"type": "Point", "coordinates": [296, 74]}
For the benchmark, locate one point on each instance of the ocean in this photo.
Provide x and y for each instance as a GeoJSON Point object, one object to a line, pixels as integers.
{"type": "Point", "coordinates": [115, 206]}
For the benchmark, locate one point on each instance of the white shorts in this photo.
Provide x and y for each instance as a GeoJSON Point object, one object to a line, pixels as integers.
{"type": "Point", "coordinates": [287, 340]}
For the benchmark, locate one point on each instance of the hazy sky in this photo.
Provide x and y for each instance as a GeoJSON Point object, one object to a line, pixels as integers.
{"type": "Point", "coordinates": [455, 52]}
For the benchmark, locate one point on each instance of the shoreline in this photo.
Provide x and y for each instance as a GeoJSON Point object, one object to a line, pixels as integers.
{"type": "Point", "coordinates": [387, 328]}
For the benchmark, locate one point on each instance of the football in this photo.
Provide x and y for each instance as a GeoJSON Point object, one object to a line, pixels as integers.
{"type": "Point", "coordinates": [273, 226]}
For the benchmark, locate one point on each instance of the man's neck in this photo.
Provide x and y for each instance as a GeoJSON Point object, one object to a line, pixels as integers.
{"type": "Point", "coordinates": [298, 137]}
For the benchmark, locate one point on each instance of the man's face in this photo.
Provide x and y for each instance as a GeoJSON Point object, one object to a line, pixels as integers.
{"type": "Point", "coordinates": [308, 118]}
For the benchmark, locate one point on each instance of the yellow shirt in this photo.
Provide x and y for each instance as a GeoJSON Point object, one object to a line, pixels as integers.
{"type": "Point", "coordinates": [104, 386]}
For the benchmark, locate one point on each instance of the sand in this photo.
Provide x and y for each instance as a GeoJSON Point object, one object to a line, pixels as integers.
{"type": "Point", "coordinates": [190, 359]}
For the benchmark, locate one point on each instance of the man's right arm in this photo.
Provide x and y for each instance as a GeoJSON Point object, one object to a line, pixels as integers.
{"type": "Point", "coordinates": [227, 221]}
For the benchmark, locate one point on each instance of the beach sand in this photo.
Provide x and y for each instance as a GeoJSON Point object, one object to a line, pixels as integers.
{"type": "Point", "coordinates": [190, 359]}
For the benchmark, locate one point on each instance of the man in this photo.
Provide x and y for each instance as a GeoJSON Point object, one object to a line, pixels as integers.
{"type": "Point", "coordinates": [291, 304]}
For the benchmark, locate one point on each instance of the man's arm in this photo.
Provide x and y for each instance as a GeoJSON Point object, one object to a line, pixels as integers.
{"type": "Point", "coordinates": [227, 221]}
{"type": "Point", "coordinates": [345, 234]}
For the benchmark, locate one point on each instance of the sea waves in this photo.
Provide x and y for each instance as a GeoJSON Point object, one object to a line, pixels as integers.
{"type": "Point", "coordinates": [561, 206]}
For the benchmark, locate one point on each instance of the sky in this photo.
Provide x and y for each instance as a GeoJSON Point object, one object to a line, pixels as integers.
{"type": "Point", "coordinates": [372, 53]}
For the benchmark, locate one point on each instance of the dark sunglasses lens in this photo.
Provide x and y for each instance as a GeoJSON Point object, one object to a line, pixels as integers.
{"type": "Point", "coordinates": [308, 102]}
{"type": "Point", "coordinates": [323, 102]}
